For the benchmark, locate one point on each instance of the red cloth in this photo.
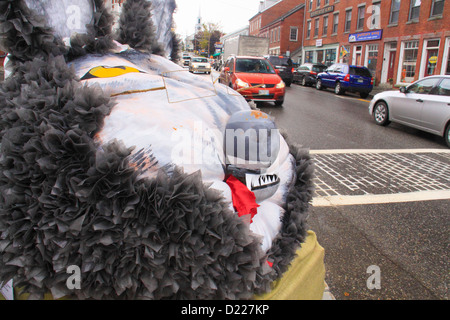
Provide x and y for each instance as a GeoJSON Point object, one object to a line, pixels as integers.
{"type": "Point", "coordinates": [244, 200]}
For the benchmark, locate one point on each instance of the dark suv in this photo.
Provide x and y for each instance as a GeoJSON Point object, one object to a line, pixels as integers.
{"type": "Point", "coordinates": [344, 77]}
{"type": "Point", "coordinates": [306, 74]}
{"type": "Point", "coordinates": [285, 67]}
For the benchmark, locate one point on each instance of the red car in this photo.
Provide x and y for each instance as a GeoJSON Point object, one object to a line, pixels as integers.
{"type": "Point", "coordinates": [253, 77]}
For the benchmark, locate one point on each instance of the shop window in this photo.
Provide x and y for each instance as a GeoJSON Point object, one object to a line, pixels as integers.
{"type": "Point", "coordinates": [309, 56]}
{"type": "Point", "coordinates": [372, 58]}
{"type": "Point", "coordinates": [330, 57]}
{"type": "Point", "coordinates": [395, 10]}
{"type": "Point", "coordinates": [360, 24]}
{"type": "Point", "coordinates": [335, 22]}
{"type": "Point", "coordinates": [437, 7]}
{"type": "Point", "coordinates": [408, 65]}
{"type": "Point", "coordinates": [348, 20]}
{"type": "Point", "coordinates": [432, 53]}
{"type": "Point", "coordinates": [414, 10]}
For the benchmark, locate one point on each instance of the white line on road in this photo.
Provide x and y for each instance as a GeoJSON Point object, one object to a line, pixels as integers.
{"type": "Point", "coordinates": [340, 200]}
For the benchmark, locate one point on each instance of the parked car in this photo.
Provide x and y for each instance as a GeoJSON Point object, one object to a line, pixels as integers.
{"type": "Point", "coordinates": [253, 77]}
{"type": "Point", "coordinates": [200, 64]}
{"type": "Point", "coordinates": [424, 105]}
{"type": "Point", "coordinates": [186, 60]}
{"type": "Point", "coordinates": [306, 74]}
{"type": "Point", "coordinates": [344, 77]}
{"type": "Point", "coordinates": [285, 67]}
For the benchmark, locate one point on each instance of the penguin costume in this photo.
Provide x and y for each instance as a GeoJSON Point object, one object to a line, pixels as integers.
{"type": "Point", "coordinates": [117, 161]}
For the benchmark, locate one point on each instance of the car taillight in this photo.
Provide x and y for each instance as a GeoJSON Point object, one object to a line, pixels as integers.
{"type": "Point", "coordinates": [371, 81]}
{"type": "Point", "coordinates": [313, 72]}
{"type": "Point", "coordinates": [293, 70]}
{"type": "Point", "coordinates": [347, 77]}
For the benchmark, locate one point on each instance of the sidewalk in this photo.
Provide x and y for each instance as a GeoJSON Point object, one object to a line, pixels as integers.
{"type": "Point", "coordinates": [380, 88]}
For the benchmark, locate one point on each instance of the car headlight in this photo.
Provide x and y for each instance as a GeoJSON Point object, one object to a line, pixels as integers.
{"type": "Point", "coordinates": [280, 85]}
{"type": "Point", "coordinates": [194, 65]}
{"type": "Point", "coordinates": [241, 83]}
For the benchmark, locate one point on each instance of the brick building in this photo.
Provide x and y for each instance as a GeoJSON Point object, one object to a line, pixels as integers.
{"type": "Point", "coordinates": [400, 41]}
{"type": "Point", "coordinates": [281, 22]}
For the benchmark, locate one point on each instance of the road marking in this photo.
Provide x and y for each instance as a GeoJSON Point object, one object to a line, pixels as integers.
{"type": "Point", "coordinates": [364, 100]}
{"type": "Point", "coordinates": [339, 200]}
{"type": "Point", "coordinates": [375, 151]}
{"type": "Point", "coordinates": [351, 177]}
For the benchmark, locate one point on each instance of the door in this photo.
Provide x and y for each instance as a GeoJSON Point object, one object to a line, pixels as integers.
{"type": "Point", "coordinates": [358, 59]}
{"type": "Point", "coordinates": [357, 54]}
{"type": "Point", "coordinates": [431, 62]}
{"type": "Point", "coordinates": [391, 65]}
{"type": "Point", "coordinates": [328, 75]}
{"type": "Point", "coordinates": [408, 107]}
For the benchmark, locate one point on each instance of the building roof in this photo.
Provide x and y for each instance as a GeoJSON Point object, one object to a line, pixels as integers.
{"type": "Point", "coordinates": [284, 16]}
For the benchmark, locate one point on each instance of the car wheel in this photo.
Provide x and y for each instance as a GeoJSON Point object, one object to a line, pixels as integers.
{"type": "Point", "coordinates": [381, 113]}
{"type": "Point", "coordinates": [304, 82]}
{"type": "Point", "coordinates": [338, 89]}
{"type": "Point", "coordinates": [363, 94]}
{"type": "Point", "coordinates": [319, 84]}
{"type": "Point", "coordinates": [279, 103]}
{"type": "Point", "coordinates": [447, 135]}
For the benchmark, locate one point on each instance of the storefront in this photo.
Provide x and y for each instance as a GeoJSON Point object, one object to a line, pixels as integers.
{"type": "Point", "coordinates": [326, 54]}
{"type": "Point", "coordinates": [399, 42]}
{"type": "Point", "coordinates": [422, 57]}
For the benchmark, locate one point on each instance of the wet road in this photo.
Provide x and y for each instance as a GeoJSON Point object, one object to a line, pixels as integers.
{"type": "Point", "coordinates": [382, 197]}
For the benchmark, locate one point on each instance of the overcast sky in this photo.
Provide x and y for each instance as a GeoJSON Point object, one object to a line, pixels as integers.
{"type": "Point", "coordinates": [231, 15]}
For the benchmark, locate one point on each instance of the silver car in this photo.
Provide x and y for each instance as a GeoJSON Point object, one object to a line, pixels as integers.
{"type": "Point", "coordinates": [424, 105]}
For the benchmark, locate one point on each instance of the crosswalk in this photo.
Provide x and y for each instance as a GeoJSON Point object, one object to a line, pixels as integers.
{"type": "Point", "coordinates": [355, 177]}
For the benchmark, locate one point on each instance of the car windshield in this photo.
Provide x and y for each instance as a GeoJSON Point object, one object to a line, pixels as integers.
{"type": "Point", "coordinates": [319, 68]}
{"type": "Point", "coordinates": [253, 66]}
{"type": "Point", "coordinates": [356, 71]}
{"type": "Point", "coordinates": [280, 61]}
{"type": "Point", "coordinates": [199, 60]}
{"type": "Point", "coordinates": [186, 57]}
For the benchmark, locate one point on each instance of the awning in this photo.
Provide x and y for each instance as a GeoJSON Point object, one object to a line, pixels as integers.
{"type": "Point", "coordinates": [216, 54]}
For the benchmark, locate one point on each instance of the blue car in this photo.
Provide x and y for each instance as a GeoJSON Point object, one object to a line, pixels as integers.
{"type": "Point", "coordinates": [344, 77]}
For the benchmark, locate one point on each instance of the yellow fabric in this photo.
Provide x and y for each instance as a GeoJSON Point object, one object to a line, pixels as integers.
{"type": "Point", "coordinates": [110, 72]}
{"type": "Point", "coordinates": [304, 280]}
